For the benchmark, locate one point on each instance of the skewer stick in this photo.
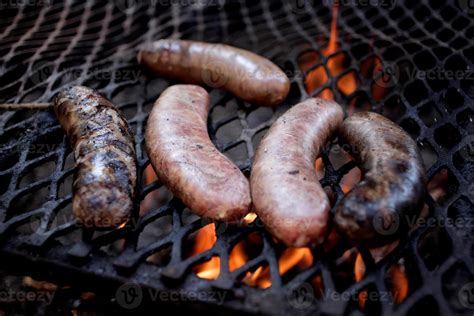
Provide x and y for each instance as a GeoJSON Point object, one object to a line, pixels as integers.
{"type": "Point", "coordinates": [22, 106]}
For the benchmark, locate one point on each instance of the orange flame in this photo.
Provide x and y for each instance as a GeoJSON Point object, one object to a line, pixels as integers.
{"type": "Point", "coordinates": [205, 239]}
{"type": "Point", "coordinates": [149, 177]}
{"type": "Point", "coordinates": [359, 272]}
{"type": "Point", "coordinates": [318, 77]}
{"type": "Point", "coordinates": [398, 281]}
{"type": "Point", "coordinates": [349, 180]}
{"type": "Point", "coordinates": [290, 258]}
{"type": "Point", "coordinates": [300, 258]}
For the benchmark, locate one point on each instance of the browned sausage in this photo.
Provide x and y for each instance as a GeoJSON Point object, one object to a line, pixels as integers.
{"type": "Point", "coordinates": [249, 76]}
{"type": "Point", "coordinates": [380, 208]}
{"type": "Point", "coordinates": [103, 145]}
{"type": "Point", "coordinates": [187, 162]}
{"type": "Point", "coordinates": [285, 189]}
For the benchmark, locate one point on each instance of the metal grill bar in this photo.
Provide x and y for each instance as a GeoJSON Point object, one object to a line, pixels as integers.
{"type": "Point", "coordinates": [48, 45]}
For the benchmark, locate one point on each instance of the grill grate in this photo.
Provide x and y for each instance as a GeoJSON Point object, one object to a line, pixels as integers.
{"type": "Point", "coordinates": [50, 44]}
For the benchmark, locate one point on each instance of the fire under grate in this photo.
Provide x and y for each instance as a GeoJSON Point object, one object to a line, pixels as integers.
{"type": "Point", "coordinates": [425, 48]}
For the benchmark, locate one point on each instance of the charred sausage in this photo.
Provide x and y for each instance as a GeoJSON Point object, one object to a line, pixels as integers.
{"type": "Point", "coordinates": [187, 162]}
{"type": "Point", "coordinates": [286, 192]}
{"type": "Point", "coordinates": [103, 145]}
{"type": "Point", "coordinates": [379, 208]}
{"type": "Point", "coordinates": [247, 75]}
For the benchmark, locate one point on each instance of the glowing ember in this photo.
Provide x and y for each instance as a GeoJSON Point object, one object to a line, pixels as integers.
{"type": "Point", "coordinates": [249, 218]}
{"type": "Point", "coordinates": [319, 168]}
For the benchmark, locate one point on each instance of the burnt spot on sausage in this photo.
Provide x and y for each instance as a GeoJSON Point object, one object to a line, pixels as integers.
{"type": "Point", "coordinates": [393, 186]}
{"type": "Point", "coordinates": [293, 172]}
{"type": "Point", "coordinates": [104, 149]}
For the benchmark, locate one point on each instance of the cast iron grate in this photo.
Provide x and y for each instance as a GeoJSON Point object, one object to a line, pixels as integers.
{"type": "Point", "coordinates": [49, 44]}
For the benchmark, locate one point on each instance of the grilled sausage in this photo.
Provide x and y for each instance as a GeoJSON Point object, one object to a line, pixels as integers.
{"type": "Point", "coordinates": [285, 189]}
{"type": "Point", "coordinates": [247, 75]}
{"type": "Point", "coordinates": [103, 145]}
{"type": "Point", "coordinates": [380, 208]}
{"type": "Point", "coordinates": [187, 162]}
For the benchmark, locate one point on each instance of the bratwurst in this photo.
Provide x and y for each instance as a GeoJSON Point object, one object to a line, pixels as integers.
{"type": "Point", "coordinates": [187, 162]}
{"type": "Point", "coordinates": [286, 192]}
{"type": "Point", "coordinates": [247, 75]}
{"type": "Point", "coordinates": [380, 208]}
{"type": "Point", "coordinates": [104, 149]}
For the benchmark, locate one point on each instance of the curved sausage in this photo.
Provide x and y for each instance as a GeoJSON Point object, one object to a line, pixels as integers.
{"type": "Point", "coordinates": [249, 76]}
{"type": "Point", "coordinates": [380, 208]}
{"type": "Point", "coordinates": [187, 162]}
{"type": "Point", "coordinates": [104, 149]}
{"type": "Point", "coordinates": [285, 188]}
